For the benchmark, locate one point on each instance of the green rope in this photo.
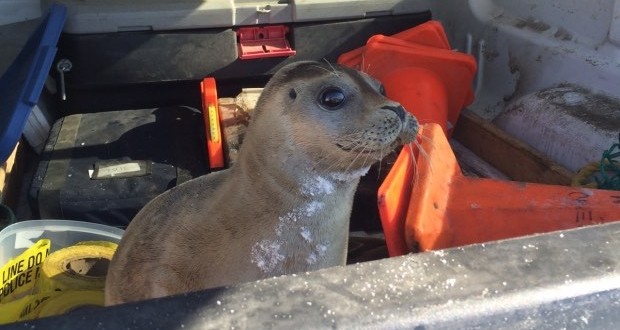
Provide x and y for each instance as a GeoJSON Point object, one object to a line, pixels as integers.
{"type": "Point", "coordinates": [609, 168]}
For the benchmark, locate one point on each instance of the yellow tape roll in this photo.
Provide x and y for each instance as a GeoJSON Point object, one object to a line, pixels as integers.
{"type": "Point", "coordinates": [78, 267]}
{"type": "Point", "coordinates": [69, 301]}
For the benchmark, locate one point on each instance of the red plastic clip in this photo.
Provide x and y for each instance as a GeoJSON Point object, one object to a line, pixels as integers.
{"type": "Point", "coordinates": [261, 42]}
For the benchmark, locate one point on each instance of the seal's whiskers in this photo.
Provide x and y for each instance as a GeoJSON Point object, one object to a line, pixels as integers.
{"type": "Point", "coordinates": [324, 69]}
{"type": "Point", "coordinates": [323, 161]}
{"type": "Point", "coordinates": [363, 68]}
{"type": "Point", "coordinates": [331, 66]}
{"type": "Point", "coordinates": [427, 139]}
{"type": "Point", "coordinates": [356, 157]}
{"type": "Point", "coordinates": [424, 154]}
{"type": "Point", "coordinates": [380, 164]}
{"type": "Point", "coordinates": [365, 160]}
{"type": "Point", "coordinates": [359, 153]}
{"type": "Point", "coordinates": [414, 165]}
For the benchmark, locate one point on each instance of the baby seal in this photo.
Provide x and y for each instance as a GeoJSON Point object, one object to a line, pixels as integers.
{"type": "Point", "coordinates": [283, 207]}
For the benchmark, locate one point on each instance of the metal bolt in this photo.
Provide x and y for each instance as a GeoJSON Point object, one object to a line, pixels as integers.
{"type": "Point", "coordinates": [64, 65]}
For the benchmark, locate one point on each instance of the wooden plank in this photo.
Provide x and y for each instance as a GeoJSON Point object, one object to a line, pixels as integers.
{"type": "Point", "coordinates": [5, 174]}
{"type": "Point", "coordinates": [10, 176]}
{"type": "Point", "coordinates": [509, 155]}
{"type": "Point", "coordinates": [474, 165]}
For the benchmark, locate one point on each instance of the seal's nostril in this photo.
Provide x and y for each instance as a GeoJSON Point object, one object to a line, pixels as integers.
{"type": "Point", "coordinates": [399, 110]}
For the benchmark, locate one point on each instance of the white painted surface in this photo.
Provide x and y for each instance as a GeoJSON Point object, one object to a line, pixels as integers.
{"type": "Point", "coordinates": [533, 45]}
{"type": "Point", "coordinates": [97, 16]}
{"type": "Point", "coordinates": [614, 29]}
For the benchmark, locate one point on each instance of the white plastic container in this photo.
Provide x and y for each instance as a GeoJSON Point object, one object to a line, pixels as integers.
{"type": "Point", "coordinates": [17, 237]}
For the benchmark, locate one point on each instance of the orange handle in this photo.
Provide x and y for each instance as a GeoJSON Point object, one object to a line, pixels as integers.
{"type": "Point", "coordinates": [211, 114]}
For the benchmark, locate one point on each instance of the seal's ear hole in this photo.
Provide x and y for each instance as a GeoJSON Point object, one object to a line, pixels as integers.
{"type": "Point", "coordinates": [292, 93]}
{"type": "Point", "coordinates": [332, 98]}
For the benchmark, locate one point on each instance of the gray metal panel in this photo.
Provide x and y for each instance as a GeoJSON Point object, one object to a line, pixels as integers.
{"type": "Point", "coordinates": [568, 279]}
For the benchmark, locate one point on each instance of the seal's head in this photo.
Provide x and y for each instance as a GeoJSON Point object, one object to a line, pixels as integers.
{"type": "Point", "coordinates": [338, 116]}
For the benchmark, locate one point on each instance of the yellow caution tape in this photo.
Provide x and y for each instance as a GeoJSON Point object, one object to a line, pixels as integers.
{"type": "Point", "coordinates": [20, 274]}
{"type": "Point", "coordinates": [50, 303]}
{"type": "Point", "coordinates": [25, 308]}
{"type": "Point", "coordinates": [78, 267]}
{"type": "Point", "coordinates": [68, 301]}
{"type": "Point", "coordinates": [39, 284]}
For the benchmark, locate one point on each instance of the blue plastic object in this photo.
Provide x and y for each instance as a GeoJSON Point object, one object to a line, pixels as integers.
{"type": "Point", "coordinates": [22, 83]}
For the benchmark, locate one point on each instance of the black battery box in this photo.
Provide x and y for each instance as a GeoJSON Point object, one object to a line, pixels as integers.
{"type": "Point", "coordinates": [104, 167]}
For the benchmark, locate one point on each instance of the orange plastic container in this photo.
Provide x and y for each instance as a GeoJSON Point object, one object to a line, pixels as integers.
{"type": "Point", "coordinates": [447, 209]}
{"type": "Point", "coordinates": [434, 84]}
{"type": "Point", "coordinates": [211, 114]}
{"type": "Point", "coordinates": [393, 200]}
{"type": "Point", "coordinates": [429, 34]}
{"type": "Point", "coordinates": [436, 206]}
{"type": "Point", "coordinates": [417, 69]}
{"type": "Point", "coordinates": [422, 73]}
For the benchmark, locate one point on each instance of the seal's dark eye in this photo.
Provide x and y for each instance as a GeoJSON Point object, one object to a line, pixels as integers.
{"type": "Point", "coordinates": [332, 98]}
{"type": "Point", "coordinates": [382, 90]}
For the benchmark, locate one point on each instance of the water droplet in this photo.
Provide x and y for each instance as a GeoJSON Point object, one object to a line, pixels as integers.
{"type": "Point", "coordinates": [573, 98]}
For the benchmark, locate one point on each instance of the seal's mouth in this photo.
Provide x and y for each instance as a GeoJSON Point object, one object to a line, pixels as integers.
{"type": "Point", "coordinates": [357, 149]}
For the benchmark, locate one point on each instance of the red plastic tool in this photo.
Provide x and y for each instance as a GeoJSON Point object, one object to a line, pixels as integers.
{"type": "Point", "coordinates": [211, 114]}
